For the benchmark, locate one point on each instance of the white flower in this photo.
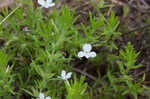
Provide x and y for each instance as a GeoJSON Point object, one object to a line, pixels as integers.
{"type": "Point", "coordinates": [41, 95]}
{"type": "Point", "coordinates": [46, 3]}
{"type": "Point", "coordinates": [65, 76]}
{"type": "Point", "coordinates": [8, 67]}
{"type": "Point", "coordinates": [87, 51]}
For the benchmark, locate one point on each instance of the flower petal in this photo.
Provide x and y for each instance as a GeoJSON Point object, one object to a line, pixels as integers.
{"type": "Point", "coordinates": [41, 2]}
{"type": "Point", "coordinates": [51, 5]}
{"type": "Point", "coordinates": [92, 54]}
{"type": "Point", "coordinates": [46, 5]}
{"type": "Point", "coordinates": [48, 97]}
{"type": "Point", "coordinates": [81, 54]}
{"type": "Point", "coordinates": [41, 96]}
{"type": "Point", "coordinates": [48, 1]}
{"type": "Point", "coordinates": [68, 76]}
{"type": "Point", "coordinates": [63, 74]}
{"type": "Point", "coordinates": [87, 47]}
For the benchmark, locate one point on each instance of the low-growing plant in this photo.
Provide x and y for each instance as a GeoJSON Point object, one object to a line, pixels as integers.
{"type": "Point", "coordinates": [39, 46]}
{"type": "Point", "coordinates": [6, 76]}
{"type": "Point", "coordinates": [122, 82]}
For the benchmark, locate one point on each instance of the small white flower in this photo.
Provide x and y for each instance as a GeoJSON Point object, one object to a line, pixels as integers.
{"type": "Point", "coordinates": [87, 51]}
{"type": "Point", "coordinates": [8, 67]}
{"type": "Point", "coordinates": [65, 76]}
{"type": "Point", "coordinates": [41, 95]}
{"type": "Point", "coordinates": [46, 3]}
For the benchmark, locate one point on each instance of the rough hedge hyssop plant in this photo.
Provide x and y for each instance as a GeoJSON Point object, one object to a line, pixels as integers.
{"type": "Point", "coordinates": [37, 48]}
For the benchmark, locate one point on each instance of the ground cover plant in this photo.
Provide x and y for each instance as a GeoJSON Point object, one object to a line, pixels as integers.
{"type": "Point", "coordinates": [46, 54]}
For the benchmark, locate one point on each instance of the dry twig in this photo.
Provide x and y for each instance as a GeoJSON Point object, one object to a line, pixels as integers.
{"type": "Point", "coordinates": [85, 74]}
